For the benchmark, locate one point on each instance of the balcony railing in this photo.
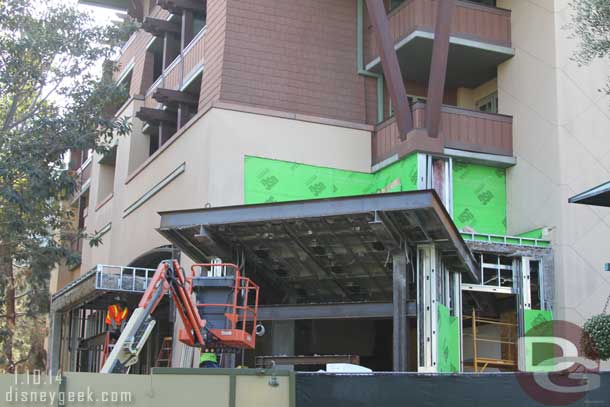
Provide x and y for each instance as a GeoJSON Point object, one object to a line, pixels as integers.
{"type": "Point", "coordinates": [471, 21]}
{"type": "Point", "coordinates": [83, 177]}
{"type": "Point", "coordinates": [105, 278]}
{"type": "Point", "coordinates": [180, 70]}
{"type": "Point", "coordinates": [122, 278]}
{"type": "Point", "coordinates": [460, 129]}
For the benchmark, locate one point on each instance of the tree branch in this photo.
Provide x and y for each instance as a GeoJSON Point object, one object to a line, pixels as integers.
{"type": "Point", "coordinates": [23, 360]}
{"type": "Point", "coordinates": [18, 296]}
{"type": "Point", "coordinates": [11, 113]}
{"type": "Point", "coordinates": [17, 314]}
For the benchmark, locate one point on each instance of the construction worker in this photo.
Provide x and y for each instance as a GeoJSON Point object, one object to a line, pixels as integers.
{"type": "Point", "coordinates": [116, 318]}
{"type": "Point", "coordinates": [208, 360]}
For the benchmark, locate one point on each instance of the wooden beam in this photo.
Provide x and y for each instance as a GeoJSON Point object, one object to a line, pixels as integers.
{"type": "Point", "coordinates": [438, 69]}
{"type": "Point", "coordinates": [135, 9]}
{"type": "Point", "coordinates": [158, 27]}
{"type": "Point", "coordinates": [174, 97]}
{"type": "Point", "coordinates": [391, 68]}
{"type": "Point", "coordinates": [177, 6]}
{"type": "Point", "coordinates": [187, 28]}
{"type": "Point", "coordinates": [156, 116]}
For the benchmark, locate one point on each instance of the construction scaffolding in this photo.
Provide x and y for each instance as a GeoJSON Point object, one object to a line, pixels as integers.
{"type": "Point", "coordinates": [507, 341]}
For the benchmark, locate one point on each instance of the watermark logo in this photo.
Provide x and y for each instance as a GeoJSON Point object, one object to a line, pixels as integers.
{"type": "Point", "coordinates": [33, 389]}
{"type": "Point", "coordinates": [554, 370]}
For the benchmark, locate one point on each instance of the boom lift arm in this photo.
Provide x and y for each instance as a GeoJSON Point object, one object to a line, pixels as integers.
{"type": "Point", "coordinates": [240, 317]}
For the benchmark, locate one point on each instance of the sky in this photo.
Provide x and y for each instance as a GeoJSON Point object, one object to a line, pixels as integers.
{"type": "Point", "coordinates": [101, 15]}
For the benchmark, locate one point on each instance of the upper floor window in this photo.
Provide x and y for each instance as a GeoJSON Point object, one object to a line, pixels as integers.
{"type": "Point", "coordinates": [124, 82]}
{"type": "Point", "coordinates": [79, 157]}
{"type": "Point", "coordinates": [199, 22]}
{"type": "Point", "coordinates": [392, 4]}
{"type": "Point", "coordinates": [173, 41]}
{"type": "Point", "coordinates": [491, 3]}
{"type": "Point", "coordinates": [156, 57]}
{"type": "Point", "coordinates": [488, 104]}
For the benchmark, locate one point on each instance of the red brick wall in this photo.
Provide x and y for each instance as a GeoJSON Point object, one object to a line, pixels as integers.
{"type": "Point", "coordinates": [294, 55]}
{"type": "Point", "coordinates": [213, 54]}
{"type": "Point", "coordinates": [136, 52]}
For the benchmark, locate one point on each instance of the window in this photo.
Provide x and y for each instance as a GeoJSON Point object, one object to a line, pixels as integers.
{"type": "Point", "coordinates": [160, 133]}
{"type": "Point", "coordinates": [533, 293]}
{"type": "Point", "coordinates": [413, 99]}
{"type": "Point", "coordinates": [155, 54]}
{"type": "Point", "coordinates": [199, 22]}
{"type": "Point", "coordinates": [83, 209]}
{"type": "Point", "coordinates": [173, 42]}
{"type": "Point", "coordinates": [79, 157]}
{"type": "Point", "coordinates": [535, 286]}
{"type": "Point", "coordinates": [106, 175]}
{"type": "Point", "coordinates": [124, 82]}
{"type": "Point", "coordinates": [496, 271]}
{"type": "Point", "coordinates": [193, 89]}
{"type": "Point", "coordinates": [491, 3]}
{"type": "Point", "coordinates": [392, 4]}
{"type": "Point", "coordinates": [488, 104]}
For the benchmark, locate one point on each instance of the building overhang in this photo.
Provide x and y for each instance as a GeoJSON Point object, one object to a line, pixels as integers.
{"type": "Point", "coordinates": [99, 287]}
{"type": "Point", "coordinates": [471, 62]}
{"type": "Point", "coordinates": [323, 250]}
{"type": "Point", "coordinates": [598, 196]}
{"type": "Point", "coordinates": [119, 5]}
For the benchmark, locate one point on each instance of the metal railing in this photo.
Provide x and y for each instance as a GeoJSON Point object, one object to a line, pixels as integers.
{"type": "Point", "coordinates": [122, 278]}
{"type": "Point", "coordinates": [509, 240]}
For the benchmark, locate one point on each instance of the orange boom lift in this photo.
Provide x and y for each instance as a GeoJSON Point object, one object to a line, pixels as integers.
{"type": "Point", "coordinates": [218, 308]}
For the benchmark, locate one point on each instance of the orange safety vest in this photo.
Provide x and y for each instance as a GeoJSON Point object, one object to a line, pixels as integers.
{"type": "Point", "coordinates": [116, 313]}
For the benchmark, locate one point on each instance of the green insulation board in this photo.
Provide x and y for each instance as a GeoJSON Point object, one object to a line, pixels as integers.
{"type": "Point", "coordinates": [538, 323]}
{"type": "Point", "coordinates": [268, 180]}
{"type": "Point", "coordinates": [448, 341]}
{"type": "Point", "coordinates": [479, 198]}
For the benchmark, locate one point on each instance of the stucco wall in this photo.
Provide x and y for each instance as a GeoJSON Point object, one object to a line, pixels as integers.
{"type": "Point", "coordinates": [212, 151]}
{"type": "Point", "coordinates": [561, 123]}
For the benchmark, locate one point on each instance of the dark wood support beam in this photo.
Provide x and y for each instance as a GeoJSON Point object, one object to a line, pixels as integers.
{"type": "Point", "coordinates": [177, 6]}
{"type": "Point", "coordinates": [184, 114]}
{"type": "Point", "coordinates": [166, 131]}
{"type": "Point", "coordinates": [174, 97]}
{"type": "Point", "coordinates": [187, 28]}
{"type": "Point", "coordinates": [400, 341]}
{"type": "Point", "coordinates": [158, 27]}
{"type": "Point", "coordinates": [391, 67]}
{"type": "Point", "coordinates": [181, 101]}
{"type": "Point", "coordinates": [135, 9]}
{"type": "Point", "coordinates": [438, 68]}
{"type": "Point", "coordinates": [156, 116]}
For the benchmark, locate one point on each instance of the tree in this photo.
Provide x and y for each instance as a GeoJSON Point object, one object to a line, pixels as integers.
{"type": "Point", "coordinates": [591, 26]}
{"type": "Point", "coordinates": [51, 100]}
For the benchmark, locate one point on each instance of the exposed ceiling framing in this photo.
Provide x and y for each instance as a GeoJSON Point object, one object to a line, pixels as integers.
{"type": "Point", "coordinates": [323, 250]}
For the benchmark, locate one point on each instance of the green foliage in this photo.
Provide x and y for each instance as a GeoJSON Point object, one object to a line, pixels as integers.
{"type": "Point", "coordinates": [591, 25]}
{"type": "Point", "coordinates": [51, 100]}
{"type": "Point", "coordinates": [595, 340]}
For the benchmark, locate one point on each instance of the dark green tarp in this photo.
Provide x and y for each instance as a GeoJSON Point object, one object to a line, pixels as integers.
{"type": "Point", "coordinates": [455, 390]}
